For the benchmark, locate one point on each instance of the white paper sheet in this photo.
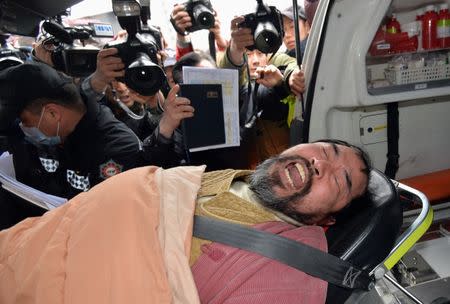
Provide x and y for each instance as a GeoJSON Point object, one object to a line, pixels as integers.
{"type": "Point", "coordinates": [229, 79]}
{"type": "Point", "coordinates": [9, 183]}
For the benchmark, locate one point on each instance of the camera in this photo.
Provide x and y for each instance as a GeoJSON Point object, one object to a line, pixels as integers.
{"type": "Point", "coordinates": [201, 13]}
{"type": "Point", "coordinates": [9, 56]}
{"type": "Point", "coordinates": [139, 52]}
{"type": "Point", "coordinates": [267, 28]}
{"type": "Point", "coordinates": [74, 59]}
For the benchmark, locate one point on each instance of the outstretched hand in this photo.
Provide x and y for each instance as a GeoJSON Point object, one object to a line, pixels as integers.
{"type": "Point", "coordinates": [269, 76]}
{"type": "Point", "coordinates": [175, 110]}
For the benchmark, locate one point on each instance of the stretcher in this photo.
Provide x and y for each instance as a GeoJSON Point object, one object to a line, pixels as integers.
{"type": "Point", "coordinates": [368, 234]}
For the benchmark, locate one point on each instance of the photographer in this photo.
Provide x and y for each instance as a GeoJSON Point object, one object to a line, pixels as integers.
{"type": "Point", "coordinates": [150, 119]}
{"type": "Point", "coordinates": [242, 37]}
{"type": "Point", "coordinates": [162, 116]}
{"type": "Point", "coordinates": [289, 30]}
{"type": "Point", "coordinates": [93, 86]}
{"type": "Point", "coordinates": [156, 132]}
{"type": "Point", "coordinates": [182, 21]}
{"type": "Point", "coordinates": [275, 77]}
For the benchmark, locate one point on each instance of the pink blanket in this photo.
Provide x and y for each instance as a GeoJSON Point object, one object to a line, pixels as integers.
{"type": "Point", "coordinates": [121, 242]}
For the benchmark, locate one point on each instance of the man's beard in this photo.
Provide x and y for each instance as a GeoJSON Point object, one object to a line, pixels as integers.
{"type": "Point", "coordinates": [262, 183]}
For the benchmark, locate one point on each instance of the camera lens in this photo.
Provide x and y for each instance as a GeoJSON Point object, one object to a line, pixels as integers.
{"type": "Point", "coordinates": [203, 16]}
{"type": "Point", "coordinates": [144, 76]}
{"type": "Point", "coordinates": [80, 62]}
{"type": "Point", "coordinates": [267, 38]}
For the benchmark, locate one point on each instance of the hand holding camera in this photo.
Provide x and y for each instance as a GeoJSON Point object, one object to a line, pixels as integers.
{"type": "Point", "coordinates": [266, 25]}
{"type": "Point", "coordinates": [64, 48]}
{"type": "Point", "coordinates": [192, 16]}
{"type": "Point", "coordinates": [42, 53]}
{"type": "Point", "coordinates": [180, 18]}
{"type": "Point", "coordinates": [139, 53]}
{"type": "Point", "coordinates": [109, 67]}
{"type": "Point", "coordinates": [241, 37]}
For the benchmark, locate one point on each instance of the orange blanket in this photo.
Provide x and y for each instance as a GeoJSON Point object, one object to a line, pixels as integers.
{"type": "Point", "coordinates": [65, 256]}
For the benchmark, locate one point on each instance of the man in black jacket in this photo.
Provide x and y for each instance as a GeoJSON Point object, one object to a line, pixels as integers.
{"type": "Point", "coordinates": [71, 143]}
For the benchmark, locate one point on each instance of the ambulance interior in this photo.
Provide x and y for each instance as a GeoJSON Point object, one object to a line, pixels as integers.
{"type": "Point", "coordinates": [363, 58]}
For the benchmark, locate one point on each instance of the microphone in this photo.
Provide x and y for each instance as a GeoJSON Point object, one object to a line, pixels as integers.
{"type": "Point", "coordinates": [58, 31]}
{"type": "Point", "coordinates": [82, 35]}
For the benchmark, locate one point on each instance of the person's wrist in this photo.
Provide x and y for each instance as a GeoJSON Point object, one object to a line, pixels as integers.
{"type": "Point", "coordinates": [236, 55]}
{"type": "Point", "coordinates": [221, 42]}
{"type": "Point", "coordinates": [98, 83]}
{"type": "Point", "coordinates": [165, 132]}
{"type": "Point", "coordinates": [161, 138]}
{"type": "Point", "coordinates": [164, 129]}
{"type": "Point", "coordinates": [183, 41]}
{"type": "Point", "coordinates": [280, 81]}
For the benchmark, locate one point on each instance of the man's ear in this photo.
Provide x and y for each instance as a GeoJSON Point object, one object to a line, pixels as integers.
{"type": "Point", "coordinates": [53, 110]}
{"type": "Point", "coordinates": [327, 221]}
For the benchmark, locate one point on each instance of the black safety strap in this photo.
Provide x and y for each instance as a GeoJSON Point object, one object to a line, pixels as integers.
{"type": "Point", "coordinates": [300, 256]}
{"type": "Point", "coordinates": [392, 140]}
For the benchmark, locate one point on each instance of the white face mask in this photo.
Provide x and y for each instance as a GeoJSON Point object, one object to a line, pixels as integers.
{"type": "Point", "coordinates": [37, 138]}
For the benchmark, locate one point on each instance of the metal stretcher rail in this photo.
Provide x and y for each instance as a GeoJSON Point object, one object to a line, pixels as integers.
{"type": "Point", "coordinates": [408, 238]}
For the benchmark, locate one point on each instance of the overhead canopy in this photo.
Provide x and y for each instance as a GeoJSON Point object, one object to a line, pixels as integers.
{"type": "Point", "coordinates": [22, 17]}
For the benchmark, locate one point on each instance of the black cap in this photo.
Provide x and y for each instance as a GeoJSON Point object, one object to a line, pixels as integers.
{"type": "Point", "coordinates": [289, 12]}
{"type": "Point", "coordinates": [19, 85]}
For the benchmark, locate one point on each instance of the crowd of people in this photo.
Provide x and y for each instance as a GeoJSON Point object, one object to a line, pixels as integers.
{"type": "Point", "coordinates": [68, 135]}
{"type": "Point", "coordinates": [97, 126]}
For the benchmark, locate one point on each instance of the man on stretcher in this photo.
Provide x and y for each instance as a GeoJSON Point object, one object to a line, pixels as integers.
{"type": "Point", "coordinates": [129, 239]}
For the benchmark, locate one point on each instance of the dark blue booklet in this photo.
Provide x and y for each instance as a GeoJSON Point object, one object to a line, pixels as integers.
{"type": "Point", "coordinates": [207, 127]}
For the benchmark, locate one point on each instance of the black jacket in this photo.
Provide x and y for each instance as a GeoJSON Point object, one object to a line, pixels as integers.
{"type": "Point", "coordinates": [98, 148]}
{"type": "Point", "coordinates": [158, 150]}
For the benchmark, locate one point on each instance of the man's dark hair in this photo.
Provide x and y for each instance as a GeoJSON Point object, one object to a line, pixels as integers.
{"type": "Point", "coordinates": [68, 96]}
{"type": "Point", "coordinates": [189, 59]}
{"type": "Point", "coordinates": [360, 152]}
{"type": "Point", "coordinates": [32, 85]}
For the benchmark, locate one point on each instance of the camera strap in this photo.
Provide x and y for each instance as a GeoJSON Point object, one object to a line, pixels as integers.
{"type": "Point", "coordinates": [212, 45]}
{"type": "Point", "coordinates": [127, 110]}
{"type": "Point", "coordinates": [251, 104]}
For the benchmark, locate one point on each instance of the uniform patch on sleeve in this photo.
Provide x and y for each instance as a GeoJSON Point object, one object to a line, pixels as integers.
{"type": "Point", "coordinates": [78, 181]}
{"type": "Point", "coordinates": [110, 168]}
{"type": "Point", "coordinates": [50, 165]}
